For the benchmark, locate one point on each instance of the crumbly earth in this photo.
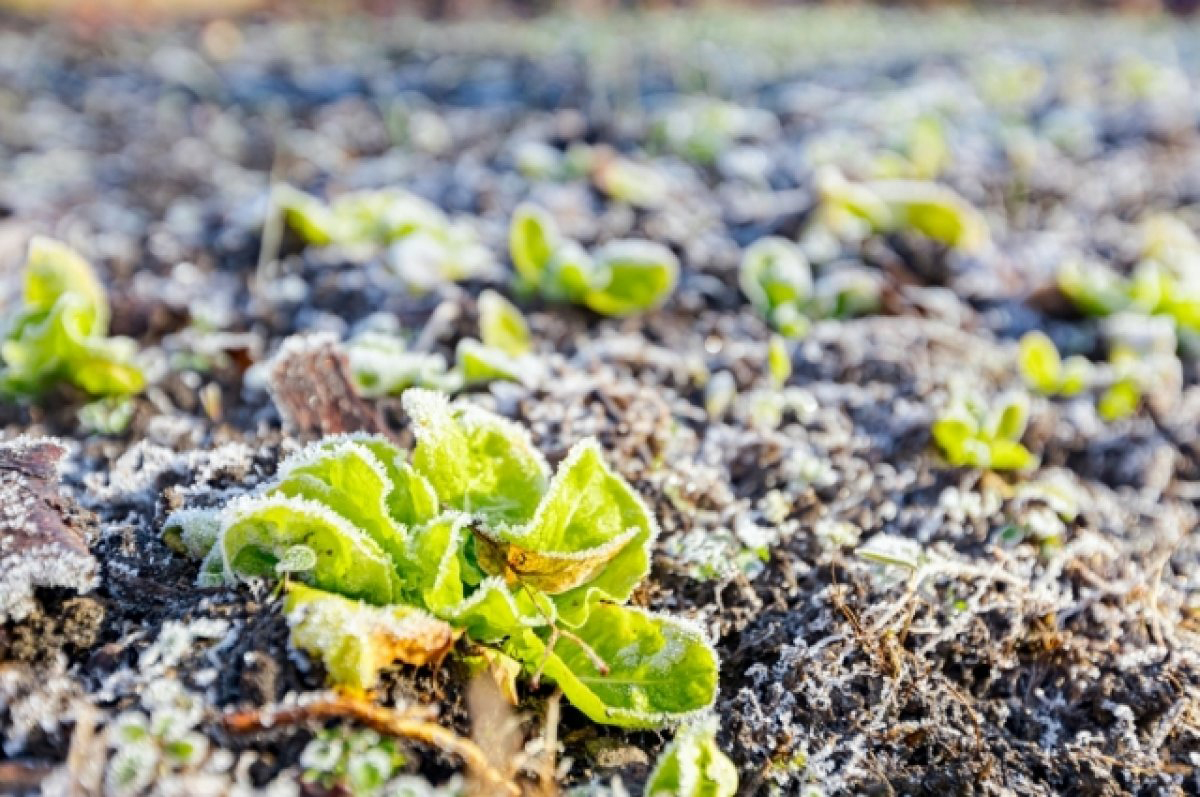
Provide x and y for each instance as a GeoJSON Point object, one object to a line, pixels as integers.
{"type": "Point", "coordinates": [1013, 660]}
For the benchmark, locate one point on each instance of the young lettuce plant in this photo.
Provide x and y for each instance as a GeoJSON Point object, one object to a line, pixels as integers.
{"type": "Point", "coordinates": [970, 434]}
{"type": "Point", "coordinates": [59, 331]}
{"type": "Point", "coordinates": [426, 246]}
{"type": "Point", "coordinates": [471, 536]}
{"type": "Point", "coordinates": [621, 278]}
{"type": "Point", "coordinates": [776, 278]}
{"type": "Point", "coordinates": [855, 210]}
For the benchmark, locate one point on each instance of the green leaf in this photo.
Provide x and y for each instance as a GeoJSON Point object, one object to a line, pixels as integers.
{"type": "Point", "coordinates": [847, 292]}
{"type": "Point", "coordinates": [1095, 289]}
{"type": "Point", "coordinates": [308, 216]}
{"type": "Point", "coordinates": [411, 500]}
{"type": "Point", "coordinates": [532, 240]}
{"type": "Point", "coordinates": [476, 461]}
{"type": "Point", "coordinates": [432, 565]}
{"type": "Point", "coordinates": [637, 276]}
{"type": "Point", "coordinates": [935, 211]}
{"type": "Point", "coordinates": [693, 766]}
{"type": "Point", "coordinates": [1120, 400]}
{"type": "Point", "coordinates": [661, 670]}
{"type": "Point", "coordinates": [775, 273]}
{"type": "Point", "coordinates": [493, 612]}
{"type": "Point", "coordinates": [1008, 455]}
{"type": "Point", "coordinates": [1039, 363]}
{"type": "Point", "coordinates": [1076, 375]}
{"type": "Point", "coordinates": [590, 539]}
{"type": "Point", "coordinates": [381, 365]}
{"type": "Point", "coordinates": [355, 641]}
{"type": "Point", "coordinates": [257, 531]}
{"type": "Point", "coordinates": [571, 274]}
{"type": "Point", "coordinates": [1008, 418]}
{"type": "Point", "coordinates": [346, 478]}
{"type": "Point", "coordinates": [192, 531]}
{"type": "Point", "coordinates": [501, 325]}
{"type": "Point", "coordinates": [952, 431]}
{"type": "Point", "coordinates": [480, 364]}
{"type": "Point", "coordinates": [53, 269]}
{"type": "Point", "coordinates": [779, 361]}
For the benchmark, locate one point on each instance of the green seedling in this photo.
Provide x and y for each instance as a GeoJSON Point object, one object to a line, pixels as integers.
{"type": "Point", "coordinates": [693, 766]}
{"type": "Point", "coordinates": [427, 247]}
{"type": "Point", "coordinates": [776, 278]}
{"type": "Point", "coordinates": [359, 762]}
{"type": "Point", "coordinates": [382, 365]}
{"type": "Point", "coordinates": [854, 210]}
{"type": "Point", "coordinates": [1123, 396]}
{"type": "Point", "coordinates": [972, 435]}
{"type": "Point", "coordinates": [469, 536]}
{"type": "Point", "coordinates": [701, 129]}
{"type": "Point", "coordinates": [622, 278]}
{"type": "Point", "coordinates": [1044, 370]}
{"type": "Point", "coordinates": [922, 153]}
{"type": "Point", "coordinates": [59, 331]}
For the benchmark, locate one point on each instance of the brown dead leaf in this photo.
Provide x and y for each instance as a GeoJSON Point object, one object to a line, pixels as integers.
{"type": "Point", "coordinates": [310, 382]}
{"type": "Point", "coordinates": [39, 546]}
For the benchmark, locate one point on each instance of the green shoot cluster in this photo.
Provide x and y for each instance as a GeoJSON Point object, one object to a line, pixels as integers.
{"type": "Point", "coordinates": [971, 434]}
{"type": "Point", "coordinates": [470, 535]}
{"type": "Point", "coordinates": [59, 331]}
{"type": "Point", "coordinates": [382, 365]}
{"type": "Point", "coordinates": [777, 279]}
{"type": "Point", "coordinates": [428, 246]}
{"type": "Point", "coordinates": [621, 278]}
{"type": "Point", "coordinates": [855, 210]}
{"type": "Point", "coordinates": [1166, 281]}
{"type": "Point", "coordinates": [693, 766]}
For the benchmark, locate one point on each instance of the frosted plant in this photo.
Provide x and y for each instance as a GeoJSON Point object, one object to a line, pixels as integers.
{"type": "Point", "coordinates": [59, 331]}
{"type": "Point", "coordinates": [472, 536]}
{"type": "Point", "coordinates": [621, 278]}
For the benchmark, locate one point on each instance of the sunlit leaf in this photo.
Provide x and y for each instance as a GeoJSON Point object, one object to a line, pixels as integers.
{"type": "Point", "coordinates": [381, 365]}
{"type": "Point", "coordinates": [53, 269]}
{"type": "Point", "coordinates": [636, 276]}
{"type": "Point", "coordinates": [779, 361]}
{"type": "Point", "coordinates": [661, 670]}
{"type": "Point", "coordinates": [258, 530]}
{"type": "Point", "coordinates": [476, 461]}
{"type": "Point", "coordinates": [775, 273]}
{"type": "Point", "coordinates": [480, 364]}
{"type": "Point", "coordinates": [1120, 400]}
{"type": "Point", "coordinates": [532, 240]}
{"type": "Point", "coordinates": [502, 326]}
{"type": "Point", "coordinates": [1039, 362]}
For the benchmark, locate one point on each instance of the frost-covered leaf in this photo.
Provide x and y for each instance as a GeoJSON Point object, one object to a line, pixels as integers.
{"type": "Point", "coordinates": [411, 500]}
{"type": "Point", "coordinates": [532, 240]}
{"type": "Point", "coordinates": [661, 670]}
{"type": "Point", "coordinates": [571, 273]}
{"type": "Point", "coordinates": [501, 325]}
{"type": "Point", "coordinates": [589, 540]}
{"type": "Point", "coordinates": [39, 547]}
{"type": "Point", "coordinates": [894, 551]}
{"type": "Point", "coordinates": [480, 364]}
{"type": "Point", "coordinates": [355, 640]}
{"type": "Point", "coordinates": [933, 210]}
{"type": "Point", "coordinates": [348, 479]}
{"type": "Point", "coordinates": [477, 462]}
{"type": "Point", "coordinates": [634, 276]}
{"type": "Point", "coordinates": [774, 273]}
{"type": "Point", "coordinates": [258, 530]}
{"type": "Point", "coordinates": [693, 766]}
{"type": "Point", "coordinates": [381, 365]}
{"type": "Point", "coordinates": [493, 612]}
{"type": "Point", "coordinates": [192, 531]}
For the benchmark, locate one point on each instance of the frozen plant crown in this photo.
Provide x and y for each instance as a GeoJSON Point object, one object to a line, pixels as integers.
{"type": "Point", "coordinates": [471, 536]}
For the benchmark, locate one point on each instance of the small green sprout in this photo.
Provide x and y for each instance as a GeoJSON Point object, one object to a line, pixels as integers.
{"type": "Point", "coordinates": [702, 128]}
{"type": "Point", "coordinates": [622, 278]}
{"type": "Point", "coordinates": [474, 531]}
{"type": "Point", "coordinates": [357, 762]}
{"type": "Point", "coordinates": [693, 766]}
{"type": "Point", "coordinates": [107, 416]}
{"type": "Point", "coordinates": [921, 154]}
{"type": "Point", "coordinates": [1122, 398]}
{"type": "Point", "coordinates": [776, 278]}
{"type": "Point", "coordinates": [427, 247]}
{"type": "Point", "coordinates": [1044, 370]}
{"type": "Point", "coordinates": [59, 331]}
{"type": "Point", "coordinates": [638, 184]}
{"type": "Point", "coordinates": [382, 365]}
{"type": "Point", "coordinates": [779, 361]}
{"type": "Point", "coordinates": [855, 210]}
{"type": "Point", "coordinates": [971, 435]}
